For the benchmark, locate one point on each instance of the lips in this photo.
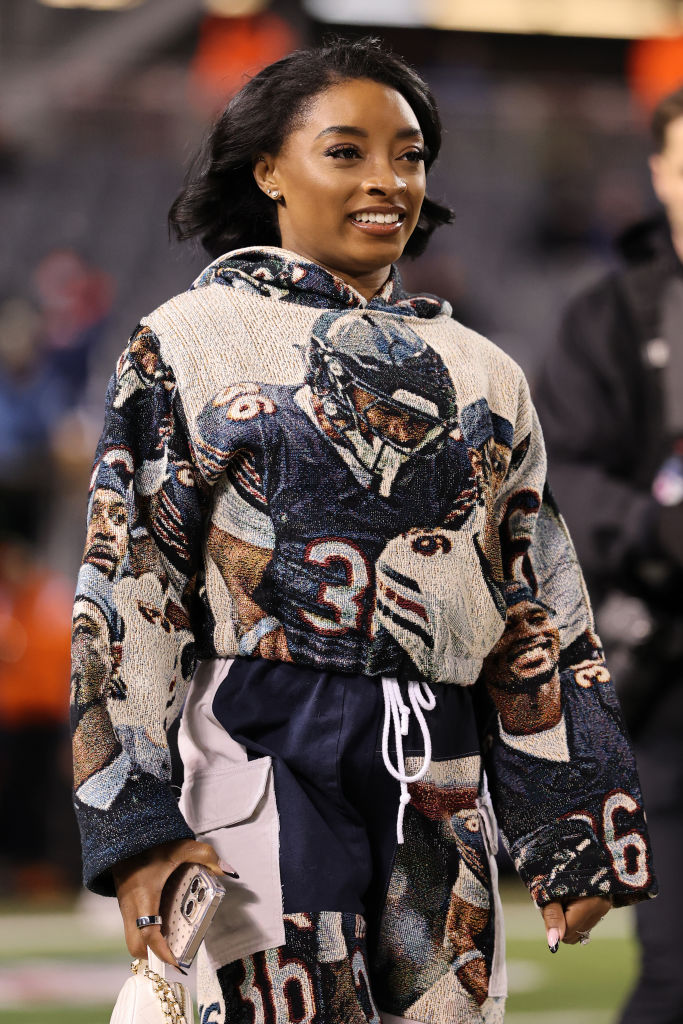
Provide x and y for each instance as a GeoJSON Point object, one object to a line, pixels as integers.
{"type": "Point", "coordinates": [530, 654]}
{"type": "Point", "coordinates": [379, 220]}
{"type": "Point", "coordinates": [101, 554]}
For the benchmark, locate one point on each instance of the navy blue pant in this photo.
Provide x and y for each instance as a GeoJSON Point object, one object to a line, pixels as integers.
{"type": "Point", "coordinates": [410, 915]}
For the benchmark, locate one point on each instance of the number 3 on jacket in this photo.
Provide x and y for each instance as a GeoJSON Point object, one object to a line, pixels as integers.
{"type": "Point", "coordinates": [346, 601]}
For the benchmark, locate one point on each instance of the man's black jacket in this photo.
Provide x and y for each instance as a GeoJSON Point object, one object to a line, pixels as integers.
{"type": "Point", "coordinates": [599, 399]}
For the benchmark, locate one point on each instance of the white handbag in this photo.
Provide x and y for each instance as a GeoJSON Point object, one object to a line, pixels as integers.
{"type": "Point", "coordinates": [148, 998]}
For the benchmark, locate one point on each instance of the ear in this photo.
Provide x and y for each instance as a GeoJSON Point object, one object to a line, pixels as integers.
{"type": "Point", "coordinates": [265, 173]}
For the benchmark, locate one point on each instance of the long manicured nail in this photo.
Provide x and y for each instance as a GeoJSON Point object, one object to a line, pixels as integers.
{"type": "Point", "coordinates": [227, 869]}
{"type": "Point", "coordinates": [553, 940]}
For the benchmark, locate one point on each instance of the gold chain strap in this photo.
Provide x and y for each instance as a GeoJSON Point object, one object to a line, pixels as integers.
{"type": "Point", "coordinates": [170, 1006]}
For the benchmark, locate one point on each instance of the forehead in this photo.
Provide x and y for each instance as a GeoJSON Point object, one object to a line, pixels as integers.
{"type": "Point", "coordinates": [526, 609]}
{"type": "Point", "coordinates": [107, 497]}
{"type": "Point", "coordinates": [89, 613]}
{"type": "Point", "coordinates": [360, 103]}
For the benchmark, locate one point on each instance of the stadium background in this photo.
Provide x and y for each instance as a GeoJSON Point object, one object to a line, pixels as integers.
{"type": "Point", "coordinates": [545, 106]}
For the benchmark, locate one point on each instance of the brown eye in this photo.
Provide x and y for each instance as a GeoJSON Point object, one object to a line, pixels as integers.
{"type": "Point", "coordinates": [343, 152]}
{"type": "Point", "coordinates": [150, 614]}
{"type": "Point", "coordinates": [84, 629]}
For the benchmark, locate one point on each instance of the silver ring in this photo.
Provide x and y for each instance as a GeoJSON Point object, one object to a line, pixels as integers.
{"type": "Point", "coordinates": [144, 922]}
{"type": "Point", "coordinates": [584, 938]}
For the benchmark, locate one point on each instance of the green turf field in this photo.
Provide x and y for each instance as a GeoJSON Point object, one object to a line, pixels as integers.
{"type": "Point", "coordinates": [44, 953]}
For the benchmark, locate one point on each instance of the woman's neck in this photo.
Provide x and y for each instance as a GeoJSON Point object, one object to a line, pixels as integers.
{"type": "Point", "coordinates": [367, 284]}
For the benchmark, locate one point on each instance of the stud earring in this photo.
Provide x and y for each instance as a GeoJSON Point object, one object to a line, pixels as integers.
{"type": "Point", "coordinates": [274, 193]}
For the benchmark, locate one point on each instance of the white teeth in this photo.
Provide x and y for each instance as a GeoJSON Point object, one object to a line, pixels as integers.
{"type": "Point", "coordinates": [377, 218]}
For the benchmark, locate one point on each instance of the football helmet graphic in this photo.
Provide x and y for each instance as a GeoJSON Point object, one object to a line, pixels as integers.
{"type": "Point", "coordinates": [387, 393]}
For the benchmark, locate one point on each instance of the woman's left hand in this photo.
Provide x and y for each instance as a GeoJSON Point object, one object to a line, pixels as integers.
{"type": "Point", "coordinates": [571, 922]}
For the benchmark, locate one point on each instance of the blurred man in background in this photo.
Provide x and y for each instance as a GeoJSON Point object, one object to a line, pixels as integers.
{"type": "Point", "coordinates": [610, 398]}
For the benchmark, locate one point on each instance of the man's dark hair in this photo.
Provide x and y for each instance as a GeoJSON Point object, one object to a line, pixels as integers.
{"type": "Point", "coordinates": [222, 205]}
{"type": "Point", "coordinates": [666, 111]}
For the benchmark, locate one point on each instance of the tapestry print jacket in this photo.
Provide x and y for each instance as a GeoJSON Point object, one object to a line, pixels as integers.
{"type": "Point", "coordinates": [292, 472]}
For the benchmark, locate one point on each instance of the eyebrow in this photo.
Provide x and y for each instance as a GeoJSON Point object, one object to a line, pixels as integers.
{"type": "Point", "coordinates": [349, 129]}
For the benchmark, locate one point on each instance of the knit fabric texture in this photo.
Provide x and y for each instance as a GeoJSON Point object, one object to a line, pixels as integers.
{"type": "Point", "coordinates": [290, 471]}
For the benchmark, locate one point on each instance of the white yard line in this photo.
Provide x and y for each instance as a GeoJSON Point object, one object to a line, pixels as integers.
{"type": "Point", "coordinates": [56, 933]}
{"type": "Point", "coordinates": [94, 931]}
{"type": "Point", "coordinates": [43, 982]}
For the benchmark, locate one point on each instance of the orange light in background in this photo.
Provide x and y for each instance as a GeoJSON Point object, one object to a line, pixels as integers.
{"type": "Point", "coordinates": [655, 68]}
{"type": "Point", "coordinates": [597, 19]}
{"type": "Point", "coordinates": [93, 5]}
{"type": "Point", "coordinates": [230, 48]}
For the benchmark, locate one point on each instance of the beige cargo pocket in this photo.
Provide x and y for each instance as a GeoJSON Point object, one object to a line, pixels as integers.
{"type": "Point", "coordinates": [498, 982]}
{"type": "Point", "coordinates": [234, 809]}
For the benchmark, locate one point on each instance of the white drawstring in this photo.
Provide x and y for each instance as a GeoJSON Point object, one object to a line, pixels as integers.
{"type": "Point", "coordinates": [396, 710]}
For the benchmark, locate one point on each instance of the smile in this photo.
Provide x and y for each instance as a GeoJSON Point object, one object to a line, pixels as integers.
{"type": "Point", "coordinates": [377, 218]}
{"type": "Point", "coordinates": [378, 223]}
{"type": "Point", "coordinates": [529, 653]}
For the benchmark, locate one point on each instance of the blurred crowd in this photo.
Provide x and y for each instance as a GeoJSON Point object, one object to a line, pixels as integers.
{"type": "Point", "coordinates": [48, 335]}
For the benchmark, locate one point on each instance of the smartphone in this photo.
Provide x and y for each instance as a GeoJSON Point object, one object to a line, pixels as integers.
{"type": "Point", "coordinates": [189, 900]}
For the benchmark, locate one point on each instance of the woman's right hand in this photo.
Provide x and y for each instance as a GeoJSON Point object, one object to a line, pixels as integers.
{"type": "Point", "coordinates": [139, 881]}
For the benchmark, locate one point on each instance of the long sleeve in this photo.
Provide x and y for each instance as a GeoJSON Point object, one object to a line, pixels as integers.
{"type": "Point", "coordinates": [590, 396]}
{"type": "Point", "coordinates": [133, 644]}
{"type": "Point", "coordinates": [561, 772]}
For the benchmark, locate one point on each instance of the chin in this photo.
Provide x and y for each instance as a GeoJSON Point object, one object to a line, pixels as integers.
{"type": "Point", "coordinates": [372, 256]}
{"type": "Point", "coordinates": [529, 684]}
{"type": "Point", "coordinates": [363, 245]}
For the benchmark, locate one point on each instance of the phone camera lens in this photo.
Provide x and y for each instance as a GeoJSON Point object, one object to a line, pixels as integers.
{"type": "Point", "coordinates": [200, 895]}
{"type": "Point", "coordinates": [195, 885]}
{"type": "Point", "coordinates": [189, 907]}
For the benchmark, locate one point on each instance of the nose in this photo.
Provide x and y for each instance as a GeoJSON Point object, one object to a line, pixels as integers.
{"type": "Point", "coordinates": [104, 526]}
{"type": "Point", "coordinates": [383, 180]}
{"type": "Point", "coordinates": [403, 431]}
{"type": "Point", "coordinates": [404, 435]}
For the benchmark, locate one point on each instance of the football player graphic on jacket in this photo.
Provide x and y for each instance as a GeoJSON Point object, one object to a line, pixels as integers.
{"type": "Point", "coordinates": [544, 729]}
{"type": "Point", "coordinates": [418, 603]}
{"type": "Point", "coordinates": [320, 476]}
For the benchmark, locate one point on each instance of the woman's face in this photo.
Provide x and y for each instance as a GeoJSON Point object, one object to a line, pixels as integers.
{"type": "Point", "coordinates": [356, 154]}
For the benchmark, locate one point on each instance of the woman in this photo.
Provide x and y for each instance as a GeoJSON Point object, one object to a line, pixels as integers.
{"type": "Point", "coordinates": [331, 497]}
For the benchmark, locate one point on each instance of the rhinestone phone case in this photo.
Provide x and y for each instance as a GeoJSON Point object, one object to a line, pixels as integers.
{"type": "Point", "coordinates": [189, 901]}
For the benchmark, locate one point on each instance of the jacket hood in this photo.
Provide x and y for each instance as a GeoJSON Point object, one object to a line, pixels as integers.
{"type": "Point", "coordinates": [287, 277]}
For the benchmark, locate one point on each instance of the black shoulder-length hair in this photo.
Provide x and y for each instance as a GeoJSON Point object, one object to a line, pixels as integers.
{"type": "Point", "coordinates": [222, 205]}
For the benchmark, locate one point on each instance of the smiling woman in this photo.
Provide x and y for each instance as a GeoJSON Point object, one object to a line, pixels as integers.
{"type": "Point", "coordinates": [319, 525]}
{"type": "Point", "coordinates": [350, 193]}
{"type": "Point", "coordinates": [332, 120]}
